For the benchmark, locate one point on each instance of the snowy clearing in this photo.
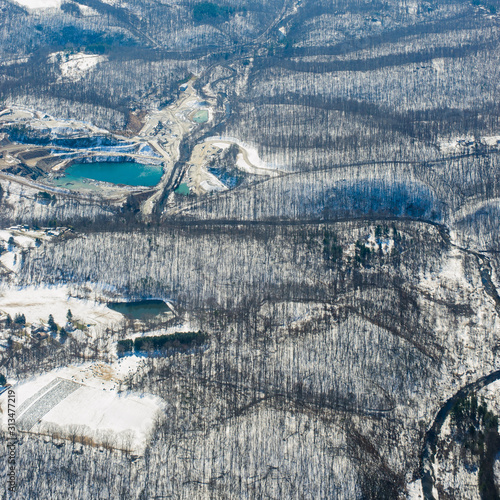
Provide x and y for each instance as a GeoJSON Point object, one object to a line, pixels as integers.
{"type": "Point", "coordinates": [493, 140]}
{"type": "Point", "coordinates": [212, 185]}
{"type": "Point", "coordinates": [248, 160]}
{"type": "Point", "coordinates": [36, 303]}
{"type": "Point", "coordinates": [83, 402]}
{"type": "Point", "coordinates": [74, 66]}
{"type": "Point", "coordinates": [459, 143]}
{"type": "Point", "coordinates": [39, 4]}
{"type": "Point", "coordinates": [12, 257]}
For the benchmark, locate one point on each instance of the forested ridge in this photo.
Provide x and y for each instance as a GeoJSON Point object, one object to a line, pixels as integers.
{"type": "Point", "coordinates": [326, 301]}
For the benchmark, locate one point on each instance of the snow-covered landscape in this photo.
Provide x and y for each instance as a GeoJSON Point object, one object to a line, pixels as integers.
{"type": "Point", "coordinates": [39, 4]}
{"type": "Point", "coordinates": [249, 250]}
{"type": "Point", "coordinates": [85, 403]}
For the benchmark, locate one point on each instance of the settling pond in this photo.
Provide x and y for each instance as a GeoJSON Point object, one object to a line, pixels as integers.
{"type": "Point", "coordinates": [142, 309]}
{"type": "Point", "coordinates": [128, 173]}
{"type": "Point", "coordinates": [201, 116]}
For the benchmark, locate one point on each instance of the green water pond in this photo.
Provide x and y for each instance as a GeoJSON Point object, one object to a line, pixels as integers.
{"type": "Point", "coordinates": [201, 116]}
{"type": "Point", "coordinates": [182, 189]}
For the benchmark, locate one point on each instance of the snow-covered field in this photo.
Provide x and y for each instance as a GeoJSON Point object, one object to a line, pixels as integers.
{"type": "Point", "coordinates": [36, 303]}
{"type": "Point", "coordinates": [39, 4]}
{"type": "Point", "coordinates": [84, 402]}
{"type": "Point", "coordinates": [75, 66]}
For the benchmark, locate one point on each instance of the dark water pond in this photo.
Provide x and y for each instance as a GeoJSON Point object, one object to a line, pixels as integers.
{"type": "Point", "coordinates": [142, 309]}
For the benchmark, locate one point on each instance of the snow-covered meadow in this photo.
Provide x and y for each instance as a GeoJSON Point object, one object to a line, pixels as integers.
{"type": "Point", "coordinates": [85, 403]}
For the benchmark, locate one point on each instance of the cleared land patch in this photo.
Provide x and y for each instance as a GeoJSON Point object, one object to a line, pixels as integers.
{"type": "Point", "coordinates": [94, 415]}
{"type": "Point", "coordinates": [38, 407]}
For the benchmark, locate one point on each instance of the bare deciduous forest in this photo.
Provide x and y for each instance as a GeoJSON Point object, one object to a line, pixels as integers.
{"type": "Point", "coordinates": [343, 273]}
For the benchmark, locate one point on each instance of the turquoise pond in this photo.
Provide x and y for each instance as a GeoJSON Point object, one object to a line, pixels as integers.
{"type": "Point", "coordinates": [128, 173]}
{"type": "Point", "coordinates": [201, 116]}
{"type": "Point", "coordinates": [182, 189]}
